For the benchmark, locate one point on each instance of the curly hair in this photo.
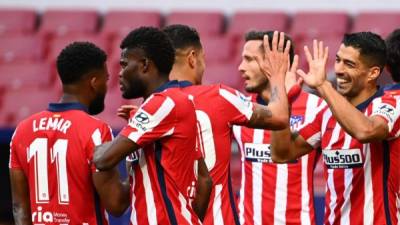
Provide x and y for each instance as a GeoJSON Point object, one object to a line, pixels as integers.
{"type": "Point", "coordinates": [155, 44]}
{"type": "Point", "coordinates": [393, 54]}
{"type": "Point", "coordinates": [371, 46]}
{"type": "Point", "coordinates": [259, 35]}
{"type": "Point", "coordinates": [183, 36]}
{"type": "Point", "coordinates": [77, 59]}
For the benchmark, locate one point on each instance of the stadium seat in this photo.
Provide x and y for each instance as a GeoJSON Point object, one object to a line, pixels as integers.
{"type": "Point", "coordinates": [19, 104]}
{"type": "Point", "coordinates": [206, 23]}
{"type": "Point", "coordinates": [59, 43]}
{"type": "Point", "coordinates": [24, 75]}
{"type": "Point", "coordinates": [17, 21]}
{"type": "Point", "coordinates": [223, 73]}
{"type": "Point", "coordinates": [242, 22]}
{"type": "Point", "coordinates": [63, 22]}
{"type": "Point", "coordinates": [333, 43]}
{"type": "Point", "coordinates": [218, 49]}
{"type": "Point", "coordinates": [318, 24]}
{"type": "Point", "coordinates": [121, 22]}
{"type": "Point", "coordinates": [382, 23]}
{"type": "Point", "coordinates": [21, 48]}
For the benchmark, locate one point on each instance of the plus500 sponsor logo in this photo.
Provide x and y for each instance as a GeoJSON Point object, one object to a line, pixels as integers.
{"type": "Point", "coordinates": [342, 158]}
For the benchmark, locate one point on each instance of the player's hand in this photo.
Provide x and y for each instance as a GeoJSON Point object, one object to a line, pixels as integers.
{"type": "Point", "coordinates": [275, 62]}
{"type": "Point", "coordinates": [291, 78]}
{"type": "Point", "coordinates": [124, 111]}
{"type": "Point", "coordinates": [317, 65]}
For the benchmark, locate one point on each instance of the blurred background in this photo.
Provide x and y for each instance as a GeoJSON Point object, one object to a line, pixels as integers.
{"type": "Point", "coordinates": [32, 33]}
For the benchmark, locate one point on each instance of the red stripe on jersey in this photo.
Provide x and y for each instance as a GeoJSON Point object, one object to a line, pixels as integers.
{"type": "Point", "coordinates": [276, 193]}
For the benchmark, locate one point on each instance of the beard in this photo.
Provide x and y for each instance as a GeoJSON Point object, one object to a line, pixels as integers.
{"type": "Point", "coordinates": [135, 89]}
{"type": "Point", "coordinates": [97, 105]}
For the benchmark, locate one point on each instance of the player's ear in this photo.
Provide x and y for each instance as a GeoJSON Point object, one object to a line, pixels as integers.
{"type": "Point", "coordinates": [374, 73]}
{"type": "Point", "coordinates": [191, 58]}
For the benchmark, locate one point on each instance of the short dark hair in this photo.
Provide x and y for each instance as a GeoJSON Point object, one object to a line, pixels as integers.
{"type": "Point", "coordinates": [155, 44]}
{"type": "Point", "coordinates": [183, 36]}
{"type": "Point", "coordinates": [259, 35]}
{"type": "Point", "coordinates": [393, 54]}
{"type": "Point", "coordinates": [371, 46]}
{"type": "Point", "coordinates": [78, 59]}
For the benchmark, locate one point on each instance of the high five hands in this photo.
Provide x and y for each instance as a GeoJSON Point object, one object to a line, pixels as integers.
{"type": "Point", "coordinates": [316, 75]}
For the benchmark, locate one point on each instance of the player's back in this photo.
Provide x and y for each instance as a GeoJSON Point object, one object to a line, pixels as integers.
{"type": "Point", "coordinates": [218, 107]}
{"type": "Point", "coordinates": [54, 148]}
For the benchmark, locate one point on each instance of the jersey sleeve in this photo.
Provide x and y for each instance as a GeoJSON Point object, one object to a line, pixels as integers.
{"type": "Point", "coordinates": [155, 118]}
{"type": "Point", "coordinates": [99, 136]}
{"type": "Point", "coordinates": [388, 108]}
{"type": "Point", "coordinates": [235, 105]}
{"type": "Point", "coordinates": [14, 162]}
{"type": "Point", "coordinates": [311, 131]}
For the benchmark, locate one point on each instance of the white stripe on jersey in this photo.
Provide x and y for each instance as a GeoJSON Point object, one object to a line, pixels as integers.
{"type": "Point", "coordinates": [151, 207]}
{"type": "Point", "coordinates": [237, 133]}
{"type": "Point", "coordinates": [331, 184]}
{"type": "Point", "coordinates": [184, 211]}
{"type": "Point", "coordinates": [305, 196]}
{"type": "Point", "coordinates": [96, 137]}
{"type": "Point", "coordinates": [257, 182]}
{"type": "Point", "coordinates": [217, 205]}
{"type": "Point", "coordinates": [162, 112]}
{"type": "Point", "coordinates": [244, 107]}
{"type": "Point", "coordinates": [348, 187]}
{"type": "Point", "coordinates": [398, 207]}
{"type": "Point", "coordinates": [325, 118]}
{"type": "Point", "coordinates": [369, 198]}
{"type": "Point", "coordinates": [281, 194]}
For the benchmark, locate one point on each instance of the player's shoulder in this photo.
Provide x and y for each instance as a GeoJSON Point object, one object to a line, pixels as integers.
{"type": "Point", "coordinates": [28, 120]}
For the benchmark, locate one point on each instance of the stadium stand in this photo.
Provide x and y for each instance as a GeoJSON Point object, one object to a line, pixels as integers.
{"type": "Point", "coordinates": [17, 21]}
{"type": "Point", "coordinates": [21, 48]}
{"type": "Point", "coordinates": [378, 22]}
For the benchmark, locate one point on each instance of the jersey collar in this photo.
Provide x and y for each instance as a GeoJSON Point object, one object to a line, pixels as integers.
{"type": "Point", "coordinates": [392, 87]}
{"type": "Point", "coordinates": [365, 104]}
{"type": "Point", "coordinates": [173, 84]}
{"type": "Point", "coordinates": [59, 107]}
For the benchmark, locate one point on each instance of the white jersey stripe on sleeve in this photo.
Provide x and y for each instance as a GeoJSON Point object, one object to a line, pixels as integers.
{"type": "Point", "coordinates": [257, 182]}
{"type": "Point", "coordinates": [154, 120]}
{"type": "Point", "coordinates": [244, 106]}
{"type": "Point", "coordinates": [96, 137]}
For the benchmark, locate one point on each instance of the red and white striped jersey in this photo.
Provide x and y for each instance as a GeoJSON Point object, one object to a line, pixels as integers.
{"type": "Point", "coordinates": [276, 193]}
{"type": "Point", "coordinates": [394, 145]}
{"type": "Point", "coordinates": [356, 174]}
{"type": "Point", "coordinates": [54, 149]}
{"type": "Point", "coordinates": [218, 107]}
{"type": "Point", "coordinates": [164, 179]}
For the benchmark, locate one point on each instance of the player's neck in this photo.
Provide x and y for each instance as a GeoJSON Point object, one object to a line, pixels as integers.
{"type": "Point", "coordinates": [365, 94]}
{"type": "Point", "coordinates": [181, 74]}
{"type": "Point", "coordinates": [68, 98]}
{"type": "Point", "coordinates": [156, 83]}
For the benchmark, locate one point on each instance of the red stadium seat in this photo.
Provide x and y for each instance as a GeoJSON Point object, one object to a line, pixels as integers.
{"type": "Point", "coordinates": [19, 104]}
{"type": "Point", "coordinates": [381, 23]}
{"type": "Point", "coordinates": [121, 22]}
{"type": "Point", "coordinates": [59, 43]}
{"type": "Point", "coordinates": [206, 23]}
{"type": "Point", "coordinates": [24, 75]}
{"type": "Point", "coordinates": [21, 48]}
{"type": "Point", "coordinates": [218, 49]}
{"type": "Point", "coordinates": [333, 43]}
{"type": "Point", "coordinates": [242, 22]}
{"type": "Point", "coordinates": [223, 73]}
{"type": "Point", "coordinates": [63, 22]}
{"type": "Point", "coordinates": [17, 21]}
{"type": "Point", "coordinates": [319, 24]}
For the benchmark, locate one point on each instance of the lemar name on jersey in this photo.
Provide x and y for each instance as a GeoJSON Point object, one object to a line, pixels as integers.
{"type": "Point", "coordinates": [51, 123]}
{"type": "Point", "coordinates": [342, 159]}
